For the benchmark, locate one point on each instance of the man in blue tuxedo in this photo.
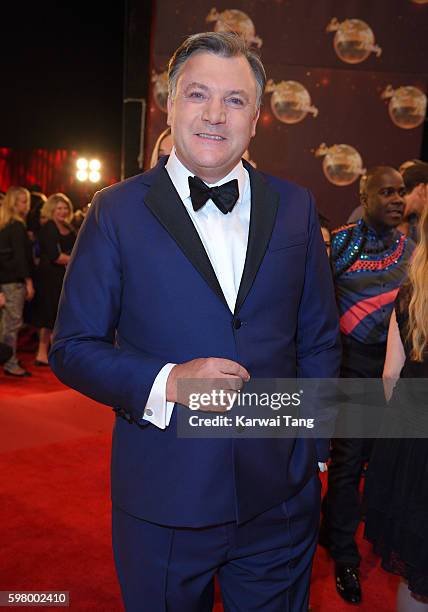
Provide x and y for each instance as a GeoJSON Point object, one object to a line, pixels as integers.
{"type": "Point", "coordinates": [203, 268]}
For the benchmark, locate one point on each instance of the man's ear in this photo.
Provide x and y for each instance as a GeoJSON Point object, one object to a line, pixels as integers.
{"type": "Point", "coordinates": [363, 199]}
{"type": "Point", "coordinates": [255, 119]}
{"type": "Point", "coordinates": [169, 109]}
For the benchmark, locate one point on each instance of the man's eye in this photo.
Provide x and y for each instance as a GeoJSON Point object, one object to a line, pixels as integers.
{"type": "Point", "coordinates": [236, 101]}
{"type": "Point", "coordinates": [196, 94]}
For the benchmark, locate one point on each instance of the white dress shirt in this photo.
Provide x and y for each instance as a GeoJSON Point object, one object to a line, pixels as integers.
{"type": "Point", "coordinates": [225, 239]}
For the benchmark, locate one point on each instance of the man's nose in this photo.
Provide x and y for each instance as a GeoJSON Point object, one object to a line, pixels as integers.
{"type": "Point", "coordinates": [214, 112]}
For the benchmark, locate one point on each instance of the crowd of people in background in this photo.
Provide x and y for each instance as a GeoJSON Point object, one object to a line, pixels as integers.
{"type": "Point", "coordinates": [386, 235]}
{"type": "Point", "coordinates": [370, 260]}
{"type": "Point", "coordinates": [379, 262]}
{"type": "Point", "coordinates": [37, 234]}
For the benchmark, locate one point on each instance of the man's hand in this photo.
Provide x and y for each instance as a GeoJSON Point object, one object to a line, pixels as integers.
{"type": "Point", "coordinates": [205, 376]}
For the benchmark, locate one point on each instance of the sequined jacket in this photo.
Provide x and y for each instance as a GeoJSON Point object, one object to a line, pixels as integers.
{"type": "Point", "coordinates": [368, 269]}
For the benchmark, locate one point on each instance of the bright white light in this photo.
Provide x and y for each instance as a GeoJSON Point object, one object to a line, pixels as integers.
{"type": "Point", "coordinates": [82, 164]}
{"type": "Point", "coordinates": [94, 176]}
{"type": "Point", "coordinates": [95, 164]}
{"type": "Point", "coordinates": [82, 175]}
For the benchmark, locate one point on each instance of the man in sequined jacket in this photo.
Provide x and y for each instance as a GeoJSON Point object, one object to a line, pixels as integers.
{"type": "Point", "coordinates": [369, 261]}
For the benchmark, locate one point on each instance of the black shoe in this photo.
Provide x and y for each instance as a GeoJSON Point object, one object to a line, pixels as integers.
{"type": "Point", "coordinates": [348, 583]}
{"type": "Point", "coordinates": [41, 363]}
{"type": "Point", "coordinates": [23, 374]}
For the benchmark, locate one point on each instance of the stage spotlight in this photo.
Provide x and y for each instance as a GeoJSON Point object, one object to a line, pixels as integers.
{"type": "Point", "coordinates": [94, 164]}
{"type": "Point", "coordinates": [94, 176]}
{"type": "Point", "coordinates": [88, 170]}
{"type": "Point", "coordinates": [82, 175]}
{"type": "Point", "coordinates": [82, 164]}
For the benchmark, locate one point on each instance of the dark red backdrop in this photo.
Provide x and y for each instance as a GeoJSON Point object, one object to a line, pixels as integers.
{"type": "Point", "coordinates": [296, 46]}
{"type": "Point", "coordinates": [53, 170]}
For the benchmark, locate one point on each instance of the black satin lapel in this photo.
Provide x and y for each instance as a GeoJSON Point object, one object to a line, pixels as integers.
{"type": "Point", "coordinates": [165, 203]}
{"type": "Point", "coordinates": [264, 204]}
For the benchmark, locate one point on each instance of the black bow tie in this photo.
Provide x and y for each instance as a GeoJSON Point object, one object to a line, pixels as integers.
{"type": "Point", "coordinates": [224, 196]}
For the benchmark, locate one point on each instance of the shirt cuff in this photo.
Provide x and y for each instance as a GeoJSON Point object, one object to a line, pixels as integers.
{"type": "Point", "coordinates": [158, 410]}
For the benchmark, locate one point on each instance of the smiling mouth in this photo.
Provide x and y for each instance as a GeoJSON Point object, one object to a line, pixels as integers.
{"type": "Point", "coordinates": [214, 137]}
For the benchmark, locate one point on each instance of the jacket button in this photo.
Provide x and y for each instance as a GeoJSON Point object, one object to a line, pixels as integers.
{"type": "Point", "coordinates": [237, 323]}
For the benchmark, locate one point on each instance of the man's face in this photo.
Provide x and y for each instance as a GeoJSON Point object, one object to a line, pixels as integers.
{"type": "Point", "coordinates": [416, 200]}
{"type": "Point", "coordinates": [384, 200]}
{"type": "Point", "coordinates": [213, 114]}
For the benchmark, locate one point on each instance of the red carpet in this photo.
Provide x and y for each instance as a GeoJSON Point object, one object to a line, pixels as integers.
{"type": "Point", "coordinates": [42, 380]}
{"type": "Point", "coordinates": [55, 506]}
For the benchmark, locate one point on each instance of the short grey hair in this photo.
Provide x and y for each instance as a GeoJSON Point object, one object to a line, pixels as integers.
{"type": "Point", "coordinates": [224, 44]}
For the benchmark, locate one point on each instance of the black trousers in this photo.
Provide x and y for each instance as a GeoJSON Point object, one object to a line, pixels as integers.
{"type": "Point", "coordinates": [341, 506]}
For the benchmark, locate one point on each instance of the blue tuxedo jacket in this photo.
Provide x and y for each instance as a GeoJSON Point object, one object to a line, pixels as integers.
{"type": "Point", "coordinates": [140, 292]}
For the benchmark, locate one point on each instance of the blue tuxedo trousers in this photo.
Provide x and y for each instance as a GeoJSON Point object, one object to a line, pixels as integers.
{"type": "Point", "coordinates": [262, 565]}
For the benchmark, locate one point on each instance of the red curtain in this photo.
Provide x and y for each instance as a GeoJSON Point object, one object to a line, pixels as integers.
{"type": "Point", "coordinates": [52, 170]}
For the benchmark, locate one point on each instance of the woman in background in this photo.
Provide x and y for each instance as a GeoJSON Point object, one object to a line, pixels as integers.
{"type": "Point", "coordinates": [397, 484]}
{"type": "Point", "coordinates": [15, 271]}
{"type": "Point", "coordinates": [56, 241]}
{"type": "Point", "coordinates": [163, 146]}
